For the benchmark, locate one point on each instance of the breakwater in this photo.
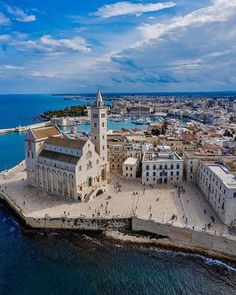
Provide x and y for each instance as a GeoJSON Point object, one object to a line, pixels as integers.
{"type": "Point", "coordinates": [24, 128]}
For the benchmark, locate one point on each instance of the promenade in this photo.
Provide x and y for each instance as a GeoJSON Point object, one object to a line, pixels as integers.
{"type": "Point", "coordinates": [122, 199]}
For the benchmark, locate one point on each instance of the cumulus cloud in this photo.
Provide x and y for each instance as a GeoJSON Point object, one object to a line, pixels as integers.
{"type": "Point", "coordinates": [12, 67]}
{"type": "Point", "coordinates": [20, 15]}
{"type": "Point", "coordinates": [48, 44]}
{"type": "Point", "coordinates": [4, 37]}
{"type": "Point", "coordinates": [3, 19]}
{"type": "Point", "coordinates": [125, 8]}
{"type": "Point", "coordinates": [219, 11]}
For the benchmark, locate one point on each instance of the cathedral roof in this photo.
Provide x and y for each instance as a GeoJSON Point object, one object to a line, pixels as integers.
{"type": "Point", "coordinates": [44, 132]}
{"type": "Point", "coordinates": [59, 157]}
{"type": "Point", "coordinates": [66, 142]}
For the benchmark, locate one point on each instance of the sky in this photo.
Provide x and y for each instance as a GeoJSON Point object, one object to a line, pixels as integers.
{"type": "Point", "coordinates": [76, 46]}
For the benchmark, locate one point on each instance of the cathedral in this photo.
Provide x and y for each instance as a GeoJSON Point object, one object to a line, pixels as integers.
{"type": "Point", "coordinates": [73, 168]}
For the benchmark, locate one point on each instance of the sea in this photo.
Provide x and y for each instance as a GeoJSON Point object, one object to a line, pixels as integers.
{"type": "Point", "coordinates": [88, 263]}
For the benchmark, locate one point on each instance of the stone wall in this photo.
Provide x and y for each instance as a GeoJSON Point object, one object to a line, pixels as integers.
{"type": "Point", "coordinates": [78, 223]}
{"type": "Point", "coordinates": [187, 236]}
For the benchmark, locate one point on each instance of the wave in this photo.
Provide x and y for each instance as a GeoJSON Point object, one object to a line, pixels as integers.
{"type": "Point", "coordinates": [207, 260]}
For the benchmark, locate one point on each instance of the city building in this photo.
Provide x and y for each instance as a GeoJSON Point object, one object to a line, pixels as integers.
{"type": "Point", "coordinates": [130, 168]}
{"type": "Point", "coordinates": [161, 166]}
{"type": "Point", "coordinates": [219, 187]}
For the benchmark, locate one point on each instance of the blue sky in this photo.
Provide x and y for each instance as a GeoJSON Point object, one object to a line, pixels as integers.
{"type": "Point", "coordinates": [120, 46]}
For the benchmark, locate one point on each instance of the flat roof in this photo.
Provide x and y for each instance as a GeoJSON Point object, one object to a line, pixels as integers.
{"type": "Point", "coordinates": [130, 161]}
{"type": "Point", "coordinates": [226, 177]}
{"type": "Point", "coordinates": [161, 156]}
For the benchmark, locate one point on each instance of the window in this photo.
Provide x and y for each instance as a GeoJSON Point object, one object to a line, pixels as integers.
{"type": "Point", "coordinates": [147, 167]}
{"type": "Point", "coordinates": [154, 167]}
{"type": "Point", "coordinates": [171, 173]}
{"type": "Point", "coordinates": [160, 167]}
{"type": "Point", "coordinates": [95, 124]}
{"type": "Point", "coordinates": [103, 115]}
{"type": "Point", "coordinates": [147, 174]}
{"type": "Point", "coordinates": [103, 124]}
{"type": "Point", "coordinates": [177, 172]}
{"type": "Point", "coordinates": [95, 115]}
{"type": "Point", "coordinates": [126, 168]}
{"type": "Point", "coordinates": [165, 166]}
{"type": "Point", "coordinates": [154, 173]}
{"type": "Point", "coordinates": [131, 168]}
{"type": "Point", "coordinates": [235, 195]}
{"type": "Point", "coordinates": [177, 166]}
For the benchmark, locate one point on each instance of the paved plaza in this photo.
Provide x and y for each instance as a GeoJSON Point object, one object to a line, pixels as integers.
{"type": "Point", "coordinates": [182, 206]}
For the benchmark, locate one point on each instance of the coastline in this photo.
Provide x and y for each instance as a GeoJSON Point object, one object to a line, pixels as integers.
{"type": "Point", "coordinates": [136, 239]}
{"type": "Point", "coordinates": [124, 235]}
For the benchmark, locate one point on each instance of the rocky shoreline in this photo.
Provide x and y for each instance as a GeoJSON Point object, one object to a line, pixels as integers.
{"type": "Point", "coordinates": [136, 239]}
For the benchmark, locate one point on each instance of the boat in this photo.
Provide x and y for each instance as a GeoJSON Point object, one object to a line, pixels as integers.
{"type": "Point", "coordinates": [139, 121]}
{"type": "Point", "coordinates": [148, 121]}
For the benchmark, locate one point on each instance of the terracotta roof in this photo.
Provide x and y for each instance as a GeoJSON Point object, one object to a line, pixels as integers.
{"type": "Point", "coordinates": [66, 142]}
{"type": "Point", "coordinates": [59, 157]}
{"type": "Point", "coordinates": [45, 132]}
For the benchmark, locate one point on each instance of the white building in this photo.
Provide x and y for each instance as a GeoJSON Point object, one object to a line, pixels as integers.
{"type": "Point", "coordinates": [130, 168]}
{"type": "Point", "coordinates": [219, 187]}
{"type": "Point", "coordinates": [161, 166]}
{"type": "Point", "coordinates": [74, 168]}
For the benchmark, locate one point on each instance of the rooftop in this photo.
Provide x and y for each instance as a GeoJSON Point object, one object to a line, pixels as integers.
{"type": "Point", "coordinates": [130, 161]}
{"type": "Point", "coordinates": [225, 176]}
{"type": "Point", "coordinates": [59, 157]}
{"type": "Point", "coordinates": [161, 156]}
{"type": "Point", "coordinates": [45, 132]}
{"type": "Point", "coordinates": [66, 142]}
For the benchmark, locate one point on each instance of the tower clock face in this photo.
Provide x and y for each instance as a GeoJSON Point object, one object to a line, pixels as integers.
{"type": "Point", "coordinates": [89, 155]}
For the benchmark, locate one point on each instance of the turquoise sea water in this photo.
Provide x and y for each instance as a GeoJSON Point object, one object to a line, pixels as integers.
{"type": "Point", "coordinates": [89, 264]}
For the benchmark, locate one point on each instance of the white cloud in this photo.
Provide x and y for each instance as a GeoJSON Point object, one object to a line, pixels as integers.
{"type": "Point", "coordinates": [50, 45]}
{"type": "Point", "coordinates": [3, 19]}
{"type": "Point", "coordinates": [125, 8]}
{"type": "Point", "coordinates": [75, 44]}
{"type": "Point", "coordinates": [20, 15]}
{"type": "Point", "coordinates": [219, 11]}
{"type": "Point", "coordinates": [12, 67]}
{"type": "Point", "coordinates": [4, 37]}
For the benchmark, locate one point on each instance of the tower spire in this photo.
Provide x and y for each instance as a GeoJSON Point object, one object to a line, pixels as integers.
{"type": "Point", "coordinates": [99, 100]}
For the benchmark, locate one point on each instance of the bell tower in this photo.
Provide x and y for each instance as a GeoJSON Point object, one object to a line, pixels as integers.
{"type": "Point", "coordinates": [99, 127]}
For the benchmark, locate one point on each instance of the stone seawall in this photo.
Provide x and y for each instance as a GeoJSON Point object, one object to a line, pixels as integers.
{"type": "Point", "coordinates": [65, 222]}
{"type": "Point", "coordinates": [98, 224]}
{"type": "Point", "coordinates": [185, 236]}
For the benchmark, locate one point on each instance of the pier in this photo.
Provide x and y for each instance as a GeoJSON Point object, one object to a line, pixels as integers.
{"type": "Point", "coordinates": [24, 128]}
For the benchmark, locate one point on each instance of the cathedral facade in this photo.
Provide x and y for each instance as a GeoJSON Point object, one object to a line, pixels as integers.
{"type": "Point", "coordinates": [73, 168]}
